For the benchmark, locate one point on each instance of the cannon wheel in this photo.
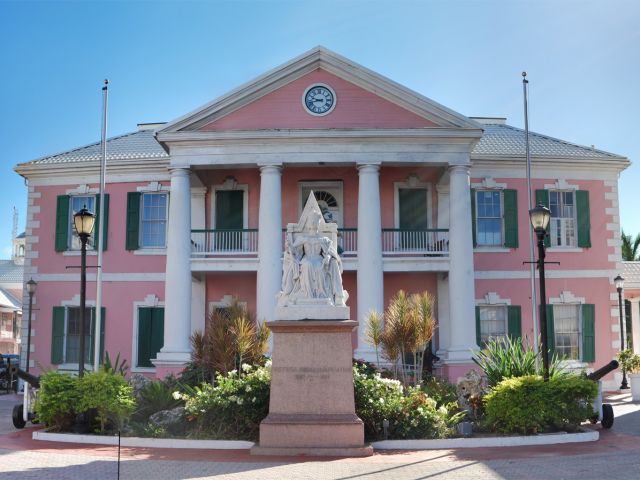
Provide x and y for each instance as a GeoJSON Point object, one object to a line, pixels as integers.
{"type": "Point", "coordinates": [18, 419]}
{"type": "Point", "coordinates": [607, 416]}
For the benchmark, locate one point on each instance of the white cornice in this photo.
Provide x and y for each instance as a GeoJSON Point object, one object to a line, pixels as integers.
{"type": "Point", "coordinates": [331, 62]}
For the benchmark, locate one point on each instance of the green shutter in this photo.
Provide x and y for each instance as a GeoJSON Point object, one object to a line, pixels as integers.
{"type": "Point", "coordinates": [91, 337]}
{"type": "Point", "coordinates": [510, 200]}
{"type": "Point", "coordinates": [514, 321]}
{"type": "Point", "coordinates": [157, 331]}
{"type": "Point", "coordinates": [230, 209]}
{"type": "Point", "coordinates": [473, 217]}
{"type": "Point", "coordinates": [57, 336]}
{"type": "Point", "coordinates": [150, 334]}
{"type": "Point", "coordinates": [584, 222]}
{"type": "Point", "coordinates": [133, 220]}
{"type": "Point", "coordinates": [97, 228]}
{"type": "Point", "coordinates": [478, 332]}
{"type": "Point", "coordinates": [588, 333]}
{"type": "Point", "coordinates": [551, 331]}
{"type": "Point", "coordinates": [144, 337]}
{"type": "Point", "coordinates": [62, 223]}
{"type": "Point", "coordinates": [15, 325]}
{"type": "Point", "coordinates": [542, 198]}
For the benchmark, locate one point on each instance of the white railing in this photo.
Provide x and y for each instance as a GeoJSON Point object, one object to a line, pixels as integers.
{"type": "Point", "coordinates": [224, 242]}
{"type": "Point", "coordinates": [394, 242]}
{"type": "Point", "coordinates": [397, 241]}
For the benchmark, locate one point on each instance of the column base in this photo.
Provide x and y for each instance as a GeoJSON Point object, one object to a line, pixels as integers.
{"type": "Point", "coordinates": [168, 363]}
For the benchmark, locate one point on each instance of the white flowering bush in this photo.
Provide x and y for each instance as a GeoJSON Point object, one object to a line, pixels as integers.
{"type": "Point", "coordinates": [233, 408]}
{"type": "Point", "coordinates": [410, 412]}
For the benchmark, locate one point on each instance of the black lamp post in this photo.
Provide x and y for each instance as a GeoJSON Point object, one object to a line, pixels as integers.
{"type": "Point", "coordinates": [540, 216]}
{"type": "Point", "coordinates": [83, 222]}
{"type": "Point", "coordinates": [619, 282]}
{"type": "Point", "coordinates": [31, 289]}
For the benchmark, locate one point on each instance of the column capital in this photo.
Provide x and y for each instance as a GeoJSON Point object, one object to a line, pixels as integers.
{"type": "Point", "coordinates": [179, 171]}
{"type": "Point", "coordinates": [270, 168]}
{"type": "Point", "coordinates": [368, 167]}
{"type": "Point", "coordinates": [459, 169]}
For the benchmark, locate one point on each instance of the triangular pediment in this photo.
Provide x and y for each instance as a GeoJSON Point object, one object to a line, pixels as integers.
{"type": "Point", "coordinates": [365, 99]}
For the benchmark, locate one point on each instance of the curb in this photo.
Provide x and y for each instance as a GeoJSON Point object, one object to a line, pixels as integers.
{"type": "Point", "coordinates": [143, 442]}
{"type": "Point", "coordinates": [519, 441]}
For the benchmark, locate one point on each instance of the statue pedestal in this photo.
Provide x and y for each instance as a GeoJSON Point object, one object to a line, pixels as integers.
{"type": "Point", "coordinates": [312, 409]}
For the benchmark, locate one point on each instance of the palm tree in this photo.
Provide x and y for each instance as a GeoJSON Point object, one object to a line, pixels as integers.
{"type": "Point", "coordinates": [630, 247]}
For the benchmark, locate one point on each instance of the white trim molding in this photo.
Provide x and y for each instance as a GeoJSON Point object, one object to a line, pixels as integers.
{"type": "Point", "coordinates": [488, 183]}
{"type": "Point", "coordinates": [230, 183]}
{"type": "Point", "coordinates": [152, 187]}
{"type": "Point", "coordinates": [566, 297]}
{"type": "Point", "coordinates": [492, 298]}
{"type": "Point", "coordinates": [561, 184]}
{"type": "Point", "coordinates": [83, 190]}
{"type": "Point", "coordinates": [412, 182]}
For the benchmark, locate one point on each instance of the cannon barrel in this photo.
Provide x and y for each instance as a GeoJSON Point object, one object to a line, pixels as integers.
{"type": "Point", "coordinates": [601, 372]}
{"type": "Point", "coordinates": [27, 377]}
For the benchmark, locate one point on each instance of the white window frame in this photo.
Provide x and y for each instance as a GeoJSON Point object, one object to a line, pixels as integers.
{"type": "Point", "coordinates": [502, 233]}
{"type": "Point", "coordinates": [141, 244]}
{"type": "Point", "coordinates": [411, 183]}
{"type": "Point", "coordinates": [71, 232]}
{"type": "Point", "coordinates": [492, 299]}
{"type": "Point", "coordinates": [73, 303]}
{"type": "Point", "coordinates": [334, 187]}
{"type": "Point", "coordinates": [568, 298]}
{"type": "Point", "coordinates": [231, 183]}
{"type": "Point", "coordinates": [150, 301]}
{"type": "Point", "coordinates": [563, 220]}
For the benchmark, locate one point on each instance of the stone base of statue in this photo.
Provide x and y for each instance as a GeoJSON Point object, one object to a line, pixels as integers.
{"type": "Point", "coordinates": [312, 409]}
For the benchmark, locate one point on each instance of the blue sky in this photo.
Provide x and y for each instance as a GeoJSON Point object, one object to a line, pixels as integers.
{"type": "Point", "coordinates": [165, 58]}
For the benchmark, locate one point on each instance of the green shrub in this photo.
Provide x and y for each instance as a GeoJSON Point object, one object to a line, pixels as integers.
{"type": "Point", "coordinates": [411, 413]}
{"type": "Point", "coordinates": [419, 417]}
{"type": "Point", "coordinates": [233, 408]}
{"type": "Point", "coordinates": [377, 399]}
{"type": "Point", "coordinates": [154, 397]}
{"type": "Point", "coordinates": [506, 357]}
{"type": "Point", "coordinates": [443, 392]}
{"type": "Point", "coordinates": [57, 397]}
{"type": "Point", "coordinates": [530, 405]}
{"type": "Point", "coordinates": [109, 395]}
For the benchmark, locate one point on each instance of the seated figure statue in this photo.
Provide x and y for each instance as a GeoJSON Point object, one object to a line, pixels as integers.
{"type": "Point", "coordinates": [312, 273]}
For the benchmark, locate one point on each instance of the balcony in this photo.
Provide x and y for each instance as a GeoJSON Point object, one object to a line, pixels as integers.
{"type": "Point", "coordinates": [402, 250]}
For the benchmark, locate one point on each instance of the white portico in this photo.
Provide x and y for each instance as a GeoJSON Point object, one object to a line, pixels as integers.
{"type": "Point", "coordinates": [196, 145]}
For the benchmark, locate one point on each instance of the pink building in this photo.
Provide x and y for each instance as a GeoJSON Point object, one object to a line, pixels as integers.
{"type": "Point", "coordinates": [424, 197]}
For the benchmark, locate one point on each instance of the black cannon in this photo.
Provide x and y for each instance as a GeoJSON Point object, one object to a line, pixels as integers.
{"type": "Point", "coordinates": [24, 412]}
{"type": "Point", "coordinates": [604, 411]}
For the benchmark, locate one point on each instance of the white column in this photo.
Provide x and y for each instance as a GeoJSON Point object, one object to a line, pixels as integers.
{"type": "Point", "coordinates": [177, 311]}
{"type": "Point", "coordinates": [462, 331]}
{"type": "Point", "coordinates": [635, 324]}
{"type": "Point", "coordinates": [370, 275]}
{"type": "Point", "coordinates": [269, 242]}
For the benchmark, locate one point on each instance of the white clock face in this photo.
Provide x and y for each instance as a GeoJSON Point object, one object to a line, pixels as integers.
{"type": "Point", "coordinates": [319, 99]}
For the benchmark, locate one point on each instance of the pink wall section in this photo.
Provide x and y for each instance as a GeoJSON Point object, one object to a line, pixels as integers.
{"type": "Point", "coordinates": [598, 253]}
{"type": "Point", "coordinates": [354, 108]}
{"type": "Point", "coordinates": [118, 299]}
{"type": "Point", "coordinates": [237, 284]}
{"type": "Point", "coordinates": [115, 258]}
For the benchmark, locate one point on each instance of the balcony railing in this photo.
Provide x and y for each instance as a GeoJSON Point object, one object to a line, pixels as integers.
{"type": "Point", "coordinates": [433, 242]}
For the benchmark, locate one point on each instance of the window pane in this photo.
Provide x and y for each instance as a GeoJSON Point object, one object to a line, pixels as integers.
{"type": "Point", "coordinates": [72, 340]}
{"type": "Point", "coordinates": [566, 319]}
{"type": "Point", "coordinates": [493, 323]}
{"type": "Point", "coordinates": [75, 205]}
{"type": "Point", "coordinates": [154, 220]}
{"type": "Point", "coordinates": [563, 219]}
{"type": "Point", "coordinates": [489, 217]}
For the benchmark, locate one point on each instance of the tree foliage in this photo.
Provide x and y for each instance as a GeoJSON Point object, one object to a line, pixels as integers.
{"type": "Point", "coordinates": [630, 247]}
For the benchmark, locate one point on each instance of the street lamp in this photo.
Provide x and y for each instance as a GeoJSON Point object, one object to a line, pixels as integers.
{"type": "Point", "coordinates": [540, 216]}
{"type": "Point", "coordinates": [619, 282]}
{"type": "Point", "coordinates": [83, 222]}
{"type": "Point", "coordinates": [31, 289]}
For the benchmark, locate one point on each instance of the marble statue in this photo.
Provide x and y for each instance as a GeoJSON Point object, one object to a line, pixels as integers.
{"type": "Point", "coordinates": [312, 268]}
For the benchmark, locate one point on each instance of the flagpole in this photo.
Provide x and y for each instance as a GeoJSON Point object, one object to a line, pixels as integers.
{"type": "Point", "coordinates": [534, 303]}
{"type": "Point", "coordinates": [103, 171]}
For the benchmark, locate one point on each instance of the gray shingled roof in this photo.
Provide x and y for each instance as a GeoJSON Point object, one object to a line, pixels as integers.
{"type": "Point", "coordinates": [10, 272]}
{"type": "Point", "coordinates": [631, 274]}
{"type": "Point", "coordinates": [139, 144]}
{"type": "Point", "coordinates": [505, 140]}
{"type": "Point", "coordinates": [498, 140]}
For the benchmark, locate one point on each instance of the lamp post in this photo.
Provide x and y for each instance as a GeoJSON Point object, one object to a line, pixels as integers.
{"type": "Point", "coordinates": [31, 289]}
{"type": "Point", "coordinates": [619, 282]}
{"type": "Point", "coordinates": [540, 216]}
{"type": "Point", "coordinates": [83, 222]}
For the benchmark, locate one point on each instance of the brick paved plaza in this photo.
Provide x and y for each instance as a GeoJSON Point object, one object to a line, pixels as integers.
{"type": "Point", "coordinates": [615, 455]}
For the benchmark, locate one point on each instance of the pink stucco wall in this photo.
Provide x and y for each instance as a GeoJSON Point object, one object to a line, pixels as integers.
{"type": "Point", "coordinates": [354, 108]}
